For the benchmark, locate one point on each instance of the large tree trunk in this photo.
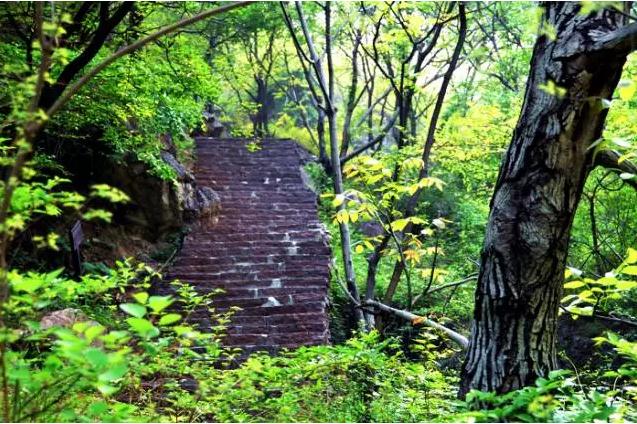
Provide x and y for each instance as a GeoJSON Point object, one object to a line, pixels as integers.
{"type": "Point", "coordinates": [541, 178]}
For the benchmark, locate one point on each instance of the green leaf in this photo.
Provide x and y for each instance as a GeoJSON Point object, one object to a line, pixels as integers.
{"type": "Point", "coordinates": [107, 192]}
{"type": "Point", "coordinates": [96, 357]}
{"type": "Point", "coordinates": [100, 214]}
{"type": "Point", "coordinates": [574, 284]}
{"type": "Point", "coordinates": [338, 200]}
{"type": "Point", "coordinates": [141, 297]}
{"type": "Point", "coordinates": [630, 270]}
{"type": "Point", "coordinates": [114, 373]}
{"type": "Point", "coordinates": [93, 331]}
{"type": "Point", "coordinates": [159, 303]}
{"type": "Point", "coordinates": [626, 89]}
{"type": "Point", "coordinates": [133, 309]}
{"type": "Point", "coordinates": [143, 327]}
{"type": "Point", "coordinates": [626, 285]}
{"type": "Point", "coordinates": [106, 389]}
{"type": "Point", "coordinates": [631, 256]}
{"type": "Point", "coordinates": [20, 283]}
{"type": "Point", "coordinates": [399, 224]}
{"type": "Point", "coordinates": [98, 408]}
{"type": "Point", "coordinates": [169, 319]}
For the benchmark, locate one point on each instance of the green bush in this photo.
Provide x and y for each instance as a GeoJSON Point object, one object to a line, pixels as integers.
{"type": "Point", "coordinates": [365, 379]}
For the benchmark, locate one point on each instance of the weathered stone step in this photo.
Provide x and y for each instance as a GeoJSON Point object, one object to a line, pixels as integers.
{"type": "Point", "coordinates": [306, 327]}
{"type": "Point", "coordinates": [209, 260]}
{"type": "Point", "coordinates": [246, 275]}
{"type": "Point", "coordinates": [287, 236]}
{"type": "Point", "coordinates": [267, 252]}
{"type": "Point", "coordinates": [259, 227]}
{"type": "Point", "coordinates": [247, 278]}
{"type": "Point", "coordinates": [262, 262]}
{"type": "Point", "coordinates": [246, 241]}
{"type": "Point", "coordinates": [298, 286]}
{"type": "Point", "coordinates": [230, 189]}
{"type": "Point", "coordinates": [270, 301]}
{"type": "Point", "coordinates": [276, 339]}
{"type": "Point", "coordinates": [204, 249]}
{"type": "Point", "coordinates": [307, 307]}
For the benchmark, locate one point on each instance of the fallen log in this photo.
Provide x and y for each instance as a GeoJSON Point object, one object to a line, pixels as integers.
{"type": "Point", "coordinates": [458, 338]}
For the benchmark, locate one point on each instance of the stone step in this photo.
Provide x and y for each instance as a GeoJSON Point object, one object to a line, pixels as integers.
{"type": "Point", "coordinates": [203, 249]}
{"type": "Point", "coordinates": [230, 260]}
{"type": "Point", "coordinates": [267, 251]}
{"type": "Point", "coordinates": [293, 238]}
{"type": "Point", "coordinates": [278, 329]}
{"type": "Point", "coordinates": [204, 286]}
{"type": "Point", "coordinates": [201, 264]}
{"type": "Point", "coordinates": [293, 339]}
{"type": "Point", "coordinates": [269, 301]}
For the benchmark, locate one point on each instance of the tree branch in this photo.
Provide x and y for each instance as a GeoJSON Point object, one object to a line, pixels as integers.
{"type": "Point", "coordinates": [73, 89]}
{"type": "Point", "coordinates": [105, 27]}
{"type": "Point", "coordinates": [376, 140]}
{"type": "Point", "coordinates": [610, 159]}
{"type": "Point", "coordinates": [458, 338]}
{"type": "Point", "coordinates": [623, 39]}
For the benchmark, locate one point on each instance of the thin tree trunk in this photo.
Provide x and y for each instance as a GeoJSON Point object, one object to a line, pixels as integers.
{"type": "Point", "coordinates": [412, 203]}
{"type": "Point", "coordinates": [540, 184]}
{"type": "Point", "coordinates": [346, 242]}
{"type": "Point", "coordinates": [351, 98]}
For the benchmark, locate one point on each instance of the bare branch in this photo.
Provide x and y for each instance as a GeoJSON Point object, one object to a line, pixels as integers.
{"type": "Point", "coordinates": [372, 143]}
{"type": "Point", "coordinates": [623, 39]}
{"type": "Point", "coordinates": [458, 338]}
{"type": "Point", "coordinates": [610, 159]}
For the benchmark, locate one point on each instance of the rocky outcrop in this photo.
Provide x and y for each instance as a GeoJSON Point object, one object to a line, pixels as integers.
{"type": "Point", "coordinates": [159, 206]}
{"type": "Point", "coordinates": [65, 318]}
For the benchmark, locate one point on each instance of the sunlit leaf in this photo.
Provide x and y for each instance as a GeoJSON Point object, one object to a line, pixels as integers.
{"type": "Point", "coordinates": [169, 319]}
{"type": "Point", "coordinates": [133, 309]}
{"type": "Point", "coordinates": [574, 284]}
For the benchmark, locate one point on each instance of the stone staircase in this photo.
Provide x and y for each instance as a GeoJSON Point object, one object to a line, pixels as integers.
{"type": "Point", "coordinates": [267, 251]}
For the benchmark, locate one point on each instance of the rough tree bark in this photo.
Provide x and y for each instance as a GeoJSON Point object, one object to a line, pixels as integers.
{"type": "Point", "coordinates": [539, 186]}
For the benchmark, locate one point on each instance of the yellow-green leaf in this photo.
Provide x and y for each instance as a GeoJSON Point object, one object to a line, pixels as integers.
{"type": "Point", "coordinates": [169, 319]}
{"type": "Point", "coordinates": [632, 256]}
{"type": "Point", "coordinates": [626, 285]}
{"type": "Point", "coordinates": [574, 284]}
{"type": "Point", "coordinates": [141, 297]}
{"type": "Point", "coordinates": [630, 270]}
{"type": "Point", "coordinates": [338, 200]}
{"type": "Point", "coordinates": [626, 89]}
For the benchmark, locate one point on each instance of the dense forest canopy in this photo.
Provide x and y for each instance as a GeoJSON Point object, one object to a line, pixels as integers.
{"type": "Point", "coordinates": [473, 163]}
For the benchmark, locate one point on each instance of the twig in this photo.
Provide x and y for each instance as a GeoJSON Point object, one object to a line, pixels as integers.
{"type": "Point", "coordinates": [445, 286]}
{"type": "Point", "coordinates": [602, 317]}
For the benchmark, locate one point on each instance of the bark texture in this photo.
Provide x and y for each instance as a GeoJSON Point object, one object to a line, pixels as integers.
{"type": "Point", "coordinates": [540, 183]}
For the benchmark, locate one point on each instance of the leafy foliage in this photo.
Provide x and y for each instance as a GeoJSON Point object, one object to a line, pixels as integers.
{"type": "Point", "coordinates": [107, 348]}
